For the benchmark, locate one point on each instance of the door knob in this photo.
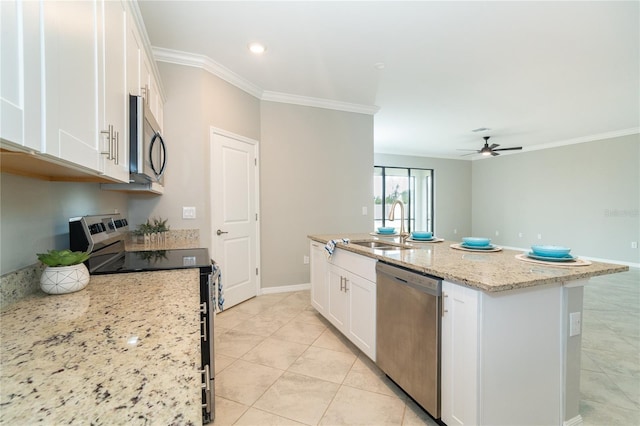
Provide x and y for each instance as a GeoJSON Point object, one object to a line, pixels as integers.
{"type": "Point", "coordinates": [219, 232]}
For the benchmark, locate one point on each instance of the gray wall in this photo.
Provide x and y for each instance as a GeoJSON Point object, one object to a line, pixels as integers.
{"type": "Point", "coordinates": [585, 196]}
{"type": "Point", "coordinates": [452, 191]}
{"type": "Point", "coordinates": [196, 100]}
{"type": "Point", "coordinates": [316, 175]}
{"type": "Point", "coordinates": [34, 215]}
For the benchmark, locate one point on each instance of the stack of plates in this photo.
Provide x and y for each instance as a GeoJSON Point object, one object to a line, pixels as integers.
{"type": "Point", "coordinates": [475, 243]}
{"type": "Point", "coordinates": [386, 230]}
{"type": "Point", "coordinates": [551, 253]}
{"type": "Point", "coordinates": [422, 236]}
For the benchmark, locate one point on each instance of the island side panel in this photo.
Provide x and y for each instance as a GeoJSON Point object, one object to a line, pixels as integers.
{"type": "Point", "coordinates": [522, 356]}
{"type": "Point", "coordinates": [573, 303]}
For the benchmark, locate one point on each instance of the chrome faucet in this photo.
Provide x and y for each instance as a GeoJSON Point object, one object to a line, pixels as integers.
{"type": "Point", "coordinates": [403, 234]}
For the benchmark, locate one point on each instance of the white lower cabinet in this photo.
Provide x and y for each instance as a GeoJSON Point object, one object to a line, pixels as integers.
{"type": "Point", "coordinates": [459, 358]}
{"type": "Point", "coordinates": [319, 288]}
{"type": "Point", "coordinates": [343, 290]}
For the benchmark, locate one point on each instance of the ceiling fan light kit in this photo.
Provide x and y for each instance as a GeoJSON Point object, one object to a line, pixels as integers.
{"type": "Point", "coordinates": [488, 150]}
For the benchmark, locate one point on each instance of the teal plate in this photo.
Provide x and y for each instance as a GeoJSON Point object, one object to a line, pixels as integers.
{"type": "Point", "coordinates": [489, 247]}
{"type": "Point", "coordinates": [567, 258]}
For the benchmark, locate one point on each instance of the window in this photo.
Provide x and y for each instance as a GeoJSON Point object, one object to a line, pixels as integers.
{"type": "Point", "coordinates": [414, 187]}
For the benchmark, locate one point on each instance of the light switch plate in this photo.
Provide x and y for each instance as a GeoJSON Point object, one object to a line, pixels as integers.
{"type": "Point", "coordinates": [575, 324]}
{"type": "Point", "coordinates": [188, 212]}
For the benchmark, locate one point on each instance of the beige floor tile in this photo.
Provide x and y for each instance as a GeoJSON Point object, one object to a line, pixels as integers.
{"type": "Point", "coordinates": [275, 353]}
{"type": "Point", "coordinates": [299, 332]}
{"type": "Point", "coordinates": [599, 414]}
{"type": "Point", "coordinates": [301, 398]}
{"type": "Point", "coordinates": [227, 412]}
{"type": "Point", "coordinates": [366, 375]}
{"type": "Point", "coordinates": [258, 304]}
{"type": "Point", "coordinates": [311, 317]}
{"type": "Point", "coordinates": [334, 340]}
{"type": "Point", "coordinates": [237, 343]}
{"type": "Point", "coordinates": [230, 318]}
{"type": "Point", "coordinates": [245, 382]}
{"type": "Point", "coordinates": [261, 325]}
{"type": "Point", "coordinates": [599, 387]}
{"type": "Point", "coordinates": [414, 415]}
{"type": "Point", "coordinates": [255, 417]}
{"type": "Point", "coordinates": [358, 407]}
{"type": "Point", "coordinates": [324, 364]}
{"type": "Point", "coordinates": [222, 362]}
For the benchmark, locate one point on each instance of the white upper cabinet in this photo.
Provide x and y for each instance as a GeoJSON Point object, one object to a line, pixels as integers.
{"type": "Point", "coordinates": [67, 70]}
{"type": "Point", "coordinates": [20, 74]}
{"type": "Point", "coordinates": [70, 81]}
{"type": "Point", "coordinates": [113, 96]}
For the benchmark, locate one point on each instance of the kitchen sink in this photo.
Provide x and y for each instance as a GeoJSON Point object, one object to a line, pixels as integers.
{"type": "Point", "coordinates": [381, 245]}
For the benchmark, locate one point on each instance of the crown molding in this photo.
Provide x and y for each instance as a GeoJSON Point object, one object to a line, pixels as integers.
{"type": "Point", "coordinates": [209, 65]}
{"type": "Point", "coordinates": [319, 103]}
{"type": "Point", "coordinates": [583, 139]}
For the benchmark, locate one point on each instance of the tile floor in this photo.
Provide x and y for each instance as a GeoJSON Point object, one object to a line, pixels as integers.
{"type": "Point", "coordinates": [278, 362]}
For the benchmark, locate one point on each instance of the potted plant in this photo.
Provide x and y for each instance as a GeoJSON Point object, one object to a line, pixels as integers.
{"type": "Point", "coordinates": [153, 231]}
{"type": "Point", "coordinates": [65, 271]}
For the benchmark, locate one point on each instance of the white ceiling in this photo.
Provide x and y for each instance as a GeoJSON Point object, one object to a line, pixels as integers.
{"type": "Point", "coordinates": [538, 74]}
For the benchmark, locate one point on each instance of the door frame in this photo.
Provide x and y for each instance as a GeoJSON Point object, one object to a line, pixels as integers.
{"type": "Point", "coordinates": [256, 146]}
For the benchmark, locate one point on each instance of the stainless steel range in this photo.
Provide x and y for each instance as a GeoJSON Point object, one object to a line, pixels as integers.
{"type": "Point", "coordinates": [104, 237]}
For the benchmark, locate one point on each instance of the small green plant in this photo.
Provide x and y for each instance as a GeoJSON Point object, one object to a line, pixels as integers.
{"type": "Point", "coordinates": [63, 257]}
{"type": "Point", "coordinates": [151, 226]}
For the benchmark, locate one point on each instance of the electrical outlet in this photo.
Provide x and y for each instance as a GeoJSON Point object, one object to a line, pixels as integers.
{"type": "Point", "coordinates": [497, 233]}
{"type": "Point", "coordinates": [539, 236]}
{"type": "Point", "coordinates": [575, 324]}
{"type": "Point", "coordinates": [455, 231]}
{"type": "Point", "coordinates": [520, 234]}
{"type": "Point", "coordinates": [305, 260]}
{"type": "Point", "coordinates": [364, 210]}
{"type": "Point", "coordinates": [634, 244]}
{"type": "Point", "coordinates": [188, 212]}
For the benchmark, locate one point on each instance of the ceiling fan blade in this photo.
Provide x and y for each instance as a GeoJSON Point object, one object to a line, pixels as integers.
{"type": "Point", "coordinates": [509, 149]}
{"type": "Point", "coordinates": [493, 146]}
{"type": "Point", "coordinates": [474, 150]}
{"type": "Point", "coordinates": [471, 153]}
{"type": "Point", "coordinates": [493, 153]}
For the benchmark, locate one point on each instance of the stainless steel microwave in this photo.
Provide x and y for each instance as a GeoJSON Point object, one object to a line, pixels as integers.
{"type": "Point", "coordinates": [147, 150]}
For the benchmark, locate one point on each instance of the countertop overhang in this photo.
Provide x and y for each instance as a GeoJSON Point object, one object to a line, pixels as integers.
{"type": "Point", "coordinates": [125, 350]}
{"type": "Point", "coordinates": [490, 271]}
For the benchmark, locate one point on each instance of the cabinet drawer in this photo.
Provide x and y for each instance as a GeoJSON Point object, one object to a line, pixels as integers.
{"type": "Point", "coordinates": [355, 263]}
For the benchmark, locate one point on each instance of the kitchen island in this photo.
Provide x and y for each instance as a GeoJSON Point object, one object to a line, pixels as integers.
{"type": "Point", "coordinates": [125, 350]}
{"type": "Point", "coordinates": [510, 343]}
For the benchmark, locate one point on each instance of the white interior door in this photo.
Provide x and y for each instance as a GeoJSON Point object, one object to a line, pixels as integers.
{"type": "Point", "coordinates": [234, 183]}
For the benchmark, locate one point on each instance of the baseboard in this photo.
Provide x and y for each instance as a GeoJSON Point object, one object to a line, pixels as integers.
{"type": "Point", "coordinates": [575, 421]}
{"type": "Point", "coordinates": [285, 288]}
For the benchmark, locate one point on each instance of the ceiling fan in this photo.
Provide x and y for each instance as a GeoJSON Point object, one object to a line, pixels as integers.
{"type": "Point", "coordinates": [491, 149]}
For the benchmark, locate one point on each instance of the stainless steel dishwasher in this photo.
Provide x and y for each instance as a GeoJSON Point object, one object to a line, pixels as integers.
{"type": "Point", "coordinates": [408, 332]}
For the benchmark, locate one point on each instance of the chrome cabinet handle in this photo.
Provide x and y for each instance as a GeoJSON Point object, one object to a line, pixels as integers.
{"type": "Point", "coordinates": [203, 308]}
{"type": "Point", "coordinates": [219, 232]}
{"type": "Point", "coordinates": [109, 134]}
{"type": "Point", "coordinates": [204, 326]}
{"type": "Point", "coordinates": [207, 375]}
{"type": "Point", "coordinates": [442, 309]}
{"type": "Point", "coordinates": [116, 150]}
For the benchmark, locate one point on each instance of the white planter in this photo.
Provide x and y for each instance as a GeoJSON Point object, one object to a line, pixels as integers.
{"type": "Point", "coordinates": [64, 279]}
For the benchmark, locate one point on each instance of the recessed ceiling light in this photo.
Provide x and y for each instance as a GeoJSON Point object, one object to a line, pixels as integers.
{"type": "Point", "coordinates": [257, 48]}
{"type": "Point", "coordinates": [379, 65]}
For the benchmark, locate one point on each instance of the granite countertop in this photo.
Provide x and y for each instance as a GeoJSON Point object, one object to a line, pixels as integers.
{"type": "Point", "coordinates": [490, 271]}
{"type": "Point", "coordinates": [124, 350]}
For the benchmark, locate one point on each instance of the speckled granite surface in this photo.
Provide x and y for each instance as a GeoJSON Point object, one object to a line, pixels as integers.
{"type": "Point", "coordinates": [19, 284]}
{"type": "Point", "coordinates": [125, 350]}
{"type": "Point", "coordinates": [495, 271]}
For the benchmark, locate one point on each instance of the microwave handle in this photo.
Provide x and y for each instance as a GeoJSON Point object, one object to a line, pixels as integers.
{"type": "Point", "coordinates": [157, 136]}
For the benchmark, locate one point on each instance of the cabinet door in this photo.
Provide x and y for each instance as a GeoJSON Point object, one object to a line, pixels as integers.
{"type": "Point", "coordinates": [113, 94]}
{"type": "Point", "coordinates": [20, 74]}
{"type": "Point", "coordinates": [362, 314]}
{"type": "Point", "coordinates": [319, 288]}
{"type": "Point", "coordinates": [70, 54]}
{"type": "Point", "coordinates": [135, 50]}
{"type": "Point", "coordinates": [338, 308]}
{"type": "Point", "coordinates": [460, 355]}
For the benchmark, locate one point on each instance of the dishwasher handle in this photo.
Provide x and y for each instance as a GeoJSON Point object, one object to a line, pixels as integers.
{"type": "Point", "coordinates": [423, 283]}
